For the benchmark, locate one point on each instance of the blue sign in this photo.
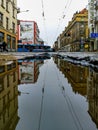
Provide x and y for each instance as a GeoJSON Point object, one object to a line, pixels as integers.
{"type": "Point", "coordinates": [94, 35]}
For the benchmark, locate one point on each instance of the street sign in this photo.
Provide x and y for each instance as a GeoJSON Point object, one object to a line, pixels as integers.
{"type": "Point", "coordinates": [94, 35]}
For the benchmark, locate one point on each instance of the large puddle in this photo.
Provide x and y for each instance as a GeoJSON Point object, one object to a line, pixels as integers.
{"type": "Point", "coordinates": [48, 94]}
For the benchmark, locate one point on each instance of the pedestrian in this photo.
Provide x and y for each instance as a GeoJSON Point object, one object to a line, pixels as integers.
{"type": "Point", "coordinates": [4, 45]}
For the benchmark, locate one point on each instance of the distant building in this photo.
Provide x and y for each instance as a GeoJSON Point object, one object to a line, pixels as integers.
{"type": "Point", "coordinates": [75, 36]}
{"type": "Point", "coordinates": [55, 46]}
{"type": "Point", "coordinates": [8, 23]}
{"type": "Point", "coordinates": [40, 41]}
{"type": "Point", "coordinates": [28, 32]}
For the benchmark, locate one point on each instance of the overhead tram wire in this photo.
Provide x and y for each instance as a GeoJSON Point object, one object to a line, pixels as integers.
{"type": "Point", "coordinates": [42, 99]}
{"type": "Point", "coordinates": [66, 7]}
{"type": "Point", "coordinates": [44, 24]}
{"type": "Point", "coordinates": [69, 103]}
{"type": "Point", "coordinates": [63, 16]}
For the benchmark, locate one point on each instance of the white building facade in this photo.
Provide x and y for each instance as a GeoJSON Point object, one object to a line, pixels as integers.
{"type": "Point", "coordinates": [93, 24]}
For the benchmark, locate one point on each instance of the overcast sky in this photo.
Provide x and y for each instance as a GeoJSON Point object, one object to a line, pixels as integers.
{"type": "Point", "coordinates": [52, 16]}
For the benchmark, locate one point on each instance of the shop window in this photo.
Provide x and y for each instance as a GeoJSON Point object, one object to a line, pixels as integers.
{"type": "Point", "coordinates": [2, 69]}
{"type": "Point", "coordinates": [9, 67]}
{"type": "Point", "coordinates": [8, 41]}
{"type": "Point", "coordinates": [1, 36]}
{"type": "Point", "coordinates": [14, 65]}
{"type": "Point", "coordinates": [13, 43]}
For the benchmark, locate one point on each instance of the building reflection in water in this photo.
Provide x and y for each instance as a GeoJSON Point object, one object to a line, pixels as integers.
{"type": "Point", "coordinates": [29, 68]}
{"type": "Point", "coordinates": [92, 94]}
{"type": "Point", "coordinates": [76, 75]}
{"type": "Point", "coordinates": [8, 95]}
{"type": "Point", "coordinates": [84, 80]}
{"type": "Point", "coordinates": [29, 71]}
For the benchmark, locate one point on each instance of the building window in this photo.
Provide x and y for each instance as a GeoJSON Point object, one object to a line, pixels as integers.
{"type": "Point", "coordinates": [13, 27]}
{"type": "Point", "coordinates": [14, 8]}
{"type": "Point", "coordinates": [7, 5]}
{"type": "Point", "coordinates": [13, 12]}
{"type": "Point", "coordinates": [1, 19]}
{"type": "Point", "coordinates": [7, 23]}
{"type": "Point", "coordinates": [2, 3]}
{"type": "Point", "coordinates": [1, 36]}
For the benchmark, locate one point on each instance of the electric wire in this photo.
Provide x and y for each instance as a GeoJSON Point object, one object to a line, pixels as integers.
{"type": "Point", "coordinates": [44, 23]}
{"type": "Point", "coordinates": [67, 6]}
{"type": "Point", "coordinates": [70, 106]}
{"type": "Point", "coordinates": [63, 92]}
{"type": "Point", "coordinates": [68, 101]}
{"type": "Point", "coordinates": [42, 99]}
{"type": "Point", "coordinates": [60, 19]}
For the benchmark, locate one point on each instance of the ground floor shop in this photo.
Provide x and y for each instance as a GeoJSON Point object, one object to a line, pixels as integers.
{"type": "Point", "coordinates": [9, 38]}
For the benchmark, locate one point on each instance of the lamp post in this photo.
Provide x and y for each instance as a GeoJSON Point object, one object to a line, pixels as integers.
{"type": "Point", "coordinates": [19, 11]}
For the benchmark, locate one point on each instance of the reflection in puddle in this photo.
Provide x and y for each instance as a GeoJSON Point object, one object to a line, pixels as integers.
{"type": "Point", "coordinates": [29, 71]}
{"type": "Point", "coordinates": [8, 95]}
{"type": "Point", "coordinates": [83, 80]}
{"type": "Point", "coordinates": [76, 75]}
{"type": "Point", "coordinates": [53, 93]}
{"type": "Point", "coordinates": [92, 94]}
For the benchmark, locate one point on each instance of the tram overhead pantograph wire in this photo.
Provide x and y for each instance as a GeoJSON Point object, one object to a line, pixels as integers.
{"type": "Point", "coordinates": [44, 23]}
{"type": "Point", "coordinates": [67, 6]}
{"type": "Point", "coordinates": [43, 90]}
{"type": "Point", "coordinates": [68, 101]}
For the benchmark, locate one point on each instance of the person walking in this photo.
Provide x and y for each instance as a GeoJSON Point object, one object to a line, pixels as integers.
{"type": "Point", "coordinates": [4, 44]}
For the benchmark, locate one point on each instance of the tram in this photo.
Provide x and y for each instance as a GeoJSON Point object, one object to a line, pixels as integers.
{"type": "Point", "coordinates": [33, 48]}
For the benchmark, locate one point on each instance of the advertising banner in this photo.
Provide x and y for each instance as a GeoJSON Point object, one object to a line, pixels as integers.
{"type": "Point", "coordinates": [27, 31]}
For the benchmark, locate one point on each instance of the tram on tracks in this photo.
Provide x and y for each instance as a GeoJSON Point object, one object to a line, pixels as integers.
{"type": "Point", "coordinates": [33, 48]}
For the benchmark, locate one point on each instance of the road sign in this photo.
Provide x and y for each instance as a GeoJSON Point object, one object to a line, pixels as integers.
{"type": "Point", "coordinates": [94, 35]}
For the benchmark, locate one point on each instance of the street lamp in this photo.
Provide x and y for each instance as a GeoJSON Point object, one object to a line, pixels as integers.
{"type": "Point", "coordinates": [19, 11]}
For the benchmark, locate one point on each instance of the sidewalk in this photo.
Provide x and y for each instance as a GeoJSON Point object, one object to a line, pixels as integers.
{"type": "Point", "coordinates": [82, 58]}
{"type": "Point", "coordinates": [79, 56]}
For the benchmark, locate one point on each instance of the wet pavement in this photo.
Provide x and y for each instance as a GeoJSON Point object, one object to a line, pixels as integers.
{"type": "Point", "coordinates": [50, 94]}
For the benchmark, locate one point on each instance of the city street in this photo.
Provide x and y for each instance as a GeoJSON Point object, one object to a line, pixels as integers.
{"type": "Point", "coordinates": [48, 65]}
